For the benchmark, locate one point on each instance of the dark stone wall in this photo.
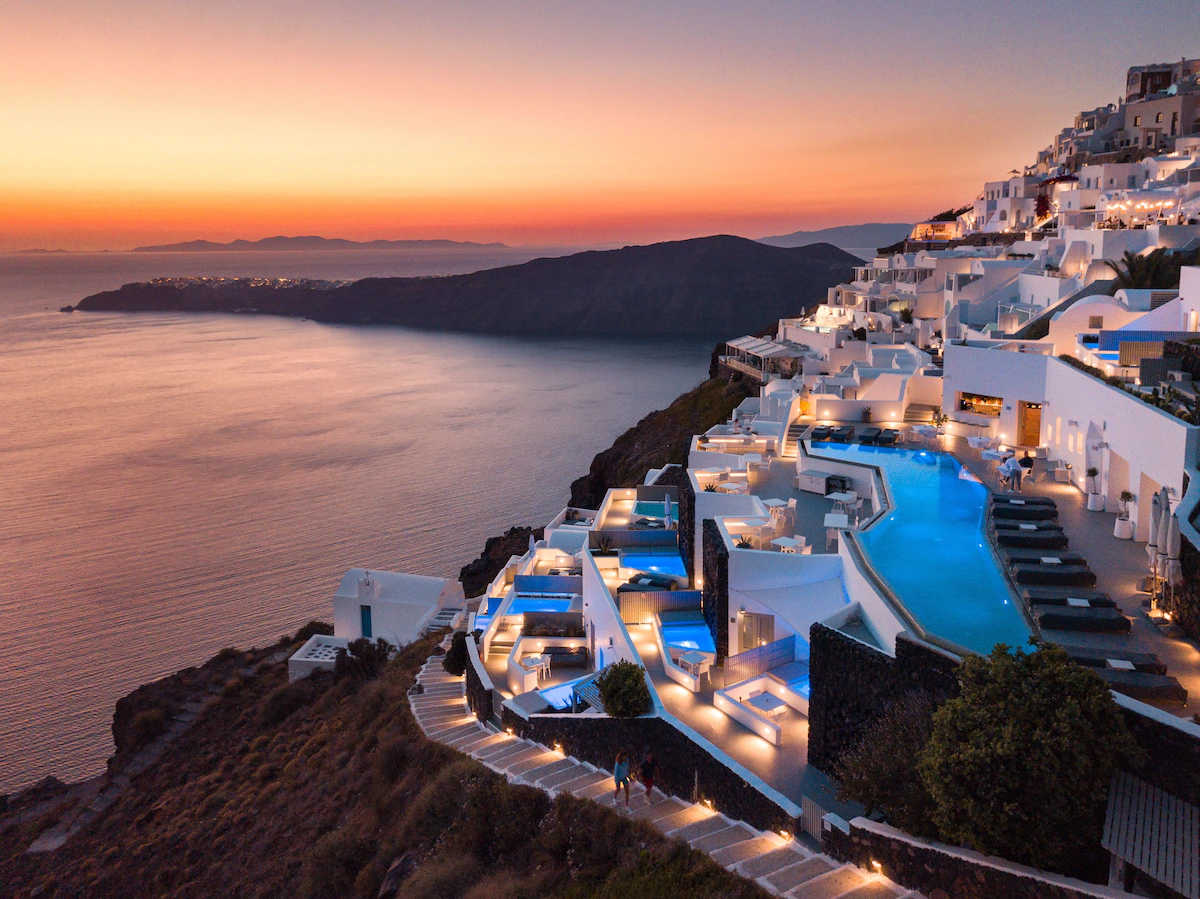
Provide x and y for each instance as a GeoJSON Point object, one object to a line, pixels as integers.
{"type": "Point", "coordinates": [853, 683]}
{"type": "Point", "coordinates": [687, 528]}
{"type": "Point", "coordinates": [935, 873]}
{"type": "Point", "coordinates": [1172, 757]}
{"type": "Point", "coordinates": [1186, 603]}
{"type": "Point", "coordinates": [479, 697]}
{"type": "Point", "coordinates": [715, 598]}
{"type": "Point", "coordinates": [684, 768]}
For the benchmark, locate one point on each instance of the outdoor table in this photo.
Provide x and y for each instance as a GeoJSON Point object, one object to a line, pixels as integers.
{"type": "Point", "coordinates": [773, 503]}
{"type": "Point", "coordinates": [786, 544]}
{"type": "Point", "coordinates": [837, 520]}
{"type": "Point", "coordinates": [768, 703]}
{"type": "Point", "coordinates": [733, 487]}
{"type": "Point", "coordinates": [841, 499]}
{"type": "Point", "coordinates": [695, 661]}
{"type": "Point", "coordinates": [995, 455]}
{"type": "Point", "coordinates": [1121, 665]}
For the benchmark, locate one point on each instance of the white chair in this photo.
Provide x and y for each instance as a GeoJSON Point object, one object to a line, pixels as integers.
{"type": "Point", "coordinates": [831, 538]}
{"type": "Point", "coordinates": [855, 510]}
{"type": "Point", "coordinates": [791, 511]}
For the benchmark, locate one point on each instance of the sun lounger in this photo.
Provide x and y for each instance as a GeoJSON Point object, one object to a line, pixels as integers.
{"type": "Point", "coordinates": [1062, 596]}
{"type": "Point", "coordinates": [1064, 575]}
{"type": "Point", "coordinates": [888, 437]}
{"type": "Point", "coordinates": [1021, 556]}
{"type": "Point", "coordinates": [1069, 618]}
{"type": "Point", "coordinates": [1024, 513]}
{"type": "Point", "coordinates": [869, 435]}
{"type": "Point", "coordinates": [820, 433]}
{"type": "Point", "coordinates": [1032, 539]}
{"type": "Point", "coordinates": [1145, 662]}
{"type": "Point", "coordinates": [1011, 524]}
{"type": "Point", "coordinates": [843, 434]}
{"type": "Point", "coordinates": [1007, 499]}
{"type": "Point", "coordinates": [565, 657]}
{"type": "Point", "coordinates": [1160, 688]}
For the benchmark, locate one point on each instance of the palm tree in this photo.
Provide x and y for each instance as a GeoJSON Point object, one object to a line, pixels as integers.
{"type": "Point", "coordinates": [1153, 271]}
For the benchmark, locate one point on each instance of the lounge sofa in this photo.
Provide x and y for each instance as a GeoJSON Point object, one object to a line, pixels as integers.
{"type": "Point", "coordinates": [1064, 575]}
{"type": "Point", "coordinates": [1070, 618]}
{"type": "Point", "coordinates": [1145, 662]}
{"type": "Point", "coordinates": [888, 437]}
{"type": "Point", "coordinates": [565, 657]}
{"type": "Point", "coordinates": [869, 435]}
{"type": "Point", "coordinates": [1011, 512]}
{"type": "Point", "coordinates": [1062, 596]}
{"type": "Point", "coordinates": [1146, 687]}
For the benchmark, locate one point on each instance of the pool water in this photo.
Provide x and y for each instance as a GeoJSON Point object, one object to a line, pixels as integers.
{"type": "Point", "coordinates": [522, 604]}
{"type": "Point", "coordinates": [662, 562]}
{"type": "Point", "coordinates": [688, 635]}
{"type": "Point", "coordinates": [932, 550]}
{"type": "Point", "coordinates": [654, 508]}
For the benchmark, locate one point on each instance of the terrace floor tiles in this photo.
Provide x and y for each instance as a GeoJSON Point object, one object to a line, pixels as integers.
{"type": "Point", "coordinates": [770, 862]}
{"type": "Point", "coordinates": [738, 833]}
{"type": "Point", "coordinates": [793, 875]}
{"type": "Point", "coordinates": [690, 815]}
{"type": "Point", "coordinates": [835, 883]}
{"type": "Point", "coordinates": [701, 828]}
{"type": "Point", "coordinates": [747, 849]}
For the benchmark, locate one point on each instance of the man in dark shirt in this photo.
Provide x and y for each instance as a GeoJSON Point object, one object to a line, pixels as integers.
{"type": "Point", "coordinates": [649, 767]}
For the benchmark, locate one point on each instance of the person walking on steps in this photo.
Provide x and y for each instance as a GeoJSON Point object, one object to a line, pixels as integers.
{"type": "Point", "coordinates": [649, 769]}
{"type": "Point", "coordinates": [621, 777]}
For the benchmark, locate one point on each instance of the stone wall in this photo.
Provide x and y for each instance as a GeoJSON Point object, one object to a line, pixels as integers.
{"type": "Point", "coordinates": [687, 528]}
{"type": "Point", "coordinates": [479, 697]}
{"type": "Point", "coordinates": [852, 683]}
{"type": "Point", "coordinates": [944, 872]}
{"type": "Point", "coordinates": [685, 769]}
{"type": "Point", "coordinates": [1172, 756]}
{"type": "Point", "coordinates": [715, 598]}
{"type": "Point", "coordinates": [1186, 602]}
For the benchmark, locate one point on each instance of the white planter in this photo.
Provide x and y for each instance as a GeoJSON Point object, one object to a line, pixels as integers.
{"type": "Point", "coordinates": [1123, 529]}
{"type": "Point", "coordinates": [1095, 502]}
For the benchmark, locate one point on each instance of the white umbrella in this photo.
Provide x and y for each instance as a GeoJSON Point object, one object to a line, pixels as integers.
{"type": "Point", "coordinates": [1152, 543]}
{"type": "Point", "coordinates": [667, 508]}
{"type": "Point", "coordinates": [1164, 531]}
{"type": "Point", "coordinates": [532, 545]}
{"type": "Point", "coordinates": [1174, 568]}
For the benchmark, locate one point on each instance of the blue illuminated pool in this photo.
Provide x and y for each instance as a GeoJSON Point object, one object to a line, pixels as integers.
{"type": "Point", "coordinates": [522, 604]}
{"type": "Point", "coordinates": [665, 561]}
{"type": "Point", "coordinates": [932, 551]}
{"type": "Point", "coordinates": [686, 630]}
{"type": "Point", "coordinates": [651, 508]}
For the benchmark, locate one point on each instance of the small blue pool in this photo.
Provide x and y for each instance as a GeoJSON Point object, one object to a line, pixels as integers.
{"type": "Point", "coordinates": [522, 604]}
{"type": "Point", "coordinates": [688, 635]}
{"type": "Point", "coordinates": [559, 695]}
{"type": "Point", "coordinates": [656, 562]}
{"type": "Point", "coordinates": [932, 550]}
{"type": "Point", "coordinates": [650, 508]}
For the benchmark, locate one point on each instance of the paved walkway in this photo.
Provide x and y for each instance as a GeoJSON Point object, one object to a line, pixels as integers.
{"type": "Point", "coordinates": [781, 866]}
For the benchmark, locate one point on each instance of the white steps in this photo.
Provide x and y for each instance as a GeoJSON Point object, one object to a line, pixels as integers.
{"type": "Point", "coordinates": [781, 866]}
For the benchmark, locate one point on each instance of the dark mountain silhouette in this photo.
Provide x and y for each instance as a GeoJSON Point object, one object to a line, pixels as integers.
{"type": "Point", "coordinates": [707, 287]}
{"type": "Point", "coordinates": [872, 234]}
{"type": "Point", "coordinates": [310, 244]}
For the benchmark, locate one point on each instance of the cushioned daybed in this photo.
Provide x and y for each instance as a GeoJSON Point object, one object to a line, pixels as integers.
{"type": "Point", "coordinates": [1062, 596]}
{"type": "Point", "coordinates": [869, 435]}
{"type": "Point", "coordinates": [1069, 618]}
{"type": "Point", "coordinates": [1064, 575]}
{"type": "Point", "coordinates": [1146, 687]}
{"type": "Point", "coordinates": [1036, 539]}
{"type": "Point", "coordinates": [1145, 662]}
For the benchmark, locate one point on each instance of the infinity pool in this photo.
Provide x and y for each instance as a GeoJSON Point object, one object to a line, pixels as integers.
{"type": "Point", "coordinates": [654, 508]}
{"type": "Point", "coordinates": [686, 630]}
{"type": "Point", "coordinates": [932, 551]}
{"type": "Point", "coordinates": [665, 561]}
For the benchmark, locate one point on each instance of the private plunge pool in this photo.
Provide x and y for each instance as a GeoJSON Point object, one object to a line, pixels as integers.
{"type": "Point", "coordinates": [686, 630]}
{"type": "Point", "coordinates": [649, 508]}
{"type": "Point", "coordinates": [932, 550]}
{"type": "Point", "coordinates": [653, 561]}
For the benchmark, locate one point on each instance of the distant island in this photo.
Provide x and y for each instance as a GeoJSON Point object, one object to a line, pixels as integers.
{"type": "Point", "coordinates": [871, 234]}
{"type": "Point", "coordinates": [313, 243]}
{"type": "Point", "coordinates": [701, 288]}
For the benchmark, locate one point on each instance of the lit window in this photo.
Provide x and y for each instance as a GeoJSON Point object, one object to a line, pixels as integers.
{"type": "Point", "coordinates": [1137, 120]}
{"type": "Point", "coordinates": [1158, 118]}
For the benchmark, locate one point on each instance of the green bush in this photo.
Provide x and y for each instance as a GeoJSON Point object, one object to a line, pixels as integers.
{"type": "Point", "coordinates": [1019, 764]}
{"type": "Point", "coordinates": [362, 659]}
{"type": "Point", "coordinates": [310, 630]}
{"type": "Point", "coordinates": [333, 864]}
{"type": "Point", "coordinates": [623, 690]}
{"type": "Point", "coordinates": [281, 702]}
{"type": "Point", "coordinates": [455, 662]}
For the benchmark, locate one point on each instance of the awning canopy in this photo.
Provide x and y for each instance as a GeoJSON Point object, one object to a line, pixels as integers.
{"type": "Point", "coordinates": [1155, 832]}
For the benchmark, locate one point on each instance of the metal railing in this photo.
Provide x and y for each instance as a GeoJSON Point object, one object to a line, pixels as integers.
{"type": "Point", "coordinates": [753, 662]}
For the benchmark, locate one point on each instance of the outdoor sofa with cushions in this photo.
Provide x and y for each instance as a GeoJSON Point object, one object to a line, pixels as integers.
{"type": "Point", "coordinates": [869, 435]}
{"type": "Point", "coordinates": [820, 433]}
{"type": "Point", "coordinates": [565, 657]}
{"type": "Point", "coordinates": [843, 434]}
{"type": "Point", "coordinates": [1065, 575]}
{"type": "Point", "coordinates": [1145, 662]}
{"type": "Point", "coordinates": [888, 437]}
{"type": "Point", "coordinates": [1005, 499]}
{"type": "Point", "coordinates": [1021, 555]}
{"type": "Point", "coordinates": [1010, 524]}
{"type": "Point", "coordinates": [1061, 596]}
{"type": "Point", "coordinates": [1038, 539]}
{"type": "Point", "coordinates": [644, 583]}
{"type": "Point", "coordinates": [1146, 687]}
{"type": "Point", "coordinates": [1069, 618]}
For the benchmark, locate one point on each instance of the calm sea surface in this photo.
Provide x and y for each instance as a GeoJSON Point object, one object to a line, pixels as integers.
{"type": "Point", "coordinates": [171, 485]}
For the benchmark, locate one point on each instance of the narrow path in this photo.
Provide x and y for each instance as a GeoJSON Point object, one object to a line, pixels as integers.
{"type": "Point", "coordinates": [781, 866]}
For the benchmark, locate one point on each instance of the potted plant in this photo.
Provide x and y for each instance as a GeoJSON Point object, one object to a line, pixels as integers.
{"type": "Point", "coordinates": [1123, 529]}
{"type": "Point", "coordinates": [1095, 500]}
{"type": "Point", "coordinates": [745, 543]}
{"type": "Point", "coordinates": [866, 413]}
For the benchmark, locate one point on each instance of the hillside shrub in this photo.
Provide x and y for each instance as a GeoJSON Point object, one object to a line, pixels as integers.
{"type": "Point", "coordinates": [333, 864]}
{"type": "Point", "coordinates": [311, 629]}
{"type": "Point", "coordinates": [623, 690]}
{"type": "Point", "coordinates": [363, 659]}
{"type": "Point", "coordinates": [1019, 763]}
{"type": "Point", "coordinates": [455, 661]}
{"type": "Point", "coordinates": [146, 726]}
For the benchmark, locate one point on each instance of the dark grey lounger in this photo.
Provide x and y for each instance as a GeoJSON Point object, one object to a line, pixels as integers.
{"type": "Point", "coordinates": [1064, 575]}
{"type": "Point", "coordinates": [1146, 687]}
{"type": "Point", "coordinates": [1018, 555]}
{"type": "Point", "coordinates": [1023, 513]}
{"type": "Point", "coordinates": [1146, 662]}
{"type": "Point", "coordinates": [1068, 618]}
{"type": "Point", "coordinates": [1038, 539]}
{"type": "Point", "coordinates": [820, 433]}
{"type": "Point", "coordinates": [1012, 524]}
{"type": "Point", "coordinates": [869, 435]}
{"type": "Point", "coordinates": [1016, 499]}
{"type": "Point", "coordinates": [1061, 596]}
{"type": "Point", "coordinates": [888, 437]}
{"type": "Point", "coordinates": [843, 434]}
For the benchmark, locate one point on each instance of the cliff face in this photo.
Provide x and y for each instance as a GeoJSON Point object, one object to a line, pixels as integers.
{"type": "Point", "coordinates": [711, 287]}
{"type": "Point", "coordinates": [478, 573]}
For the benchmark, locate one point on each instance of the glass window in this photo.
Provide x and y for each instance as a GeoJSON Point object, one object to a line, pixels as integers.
{"type": "Point", "coordinates": [980, 404]}
{"type": "Point", "coordinates": [1095, 322]}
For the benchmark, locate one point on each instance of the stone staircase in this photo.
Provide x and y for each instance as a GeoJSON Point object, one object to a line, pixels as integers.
{"type": "Point", "coordinates": [445, 617]}
{"type": "Point", "coordinates": [795, 429]}
{"type": "Point", "coordinates": [780, 865]}
{"type": "Point", "coordinates": [918, 413]}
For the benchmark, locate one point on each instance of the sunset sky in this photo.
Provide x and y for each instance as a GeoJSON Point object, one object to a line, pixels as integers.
{"type": "Point", "coordinates": [130, 122]}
